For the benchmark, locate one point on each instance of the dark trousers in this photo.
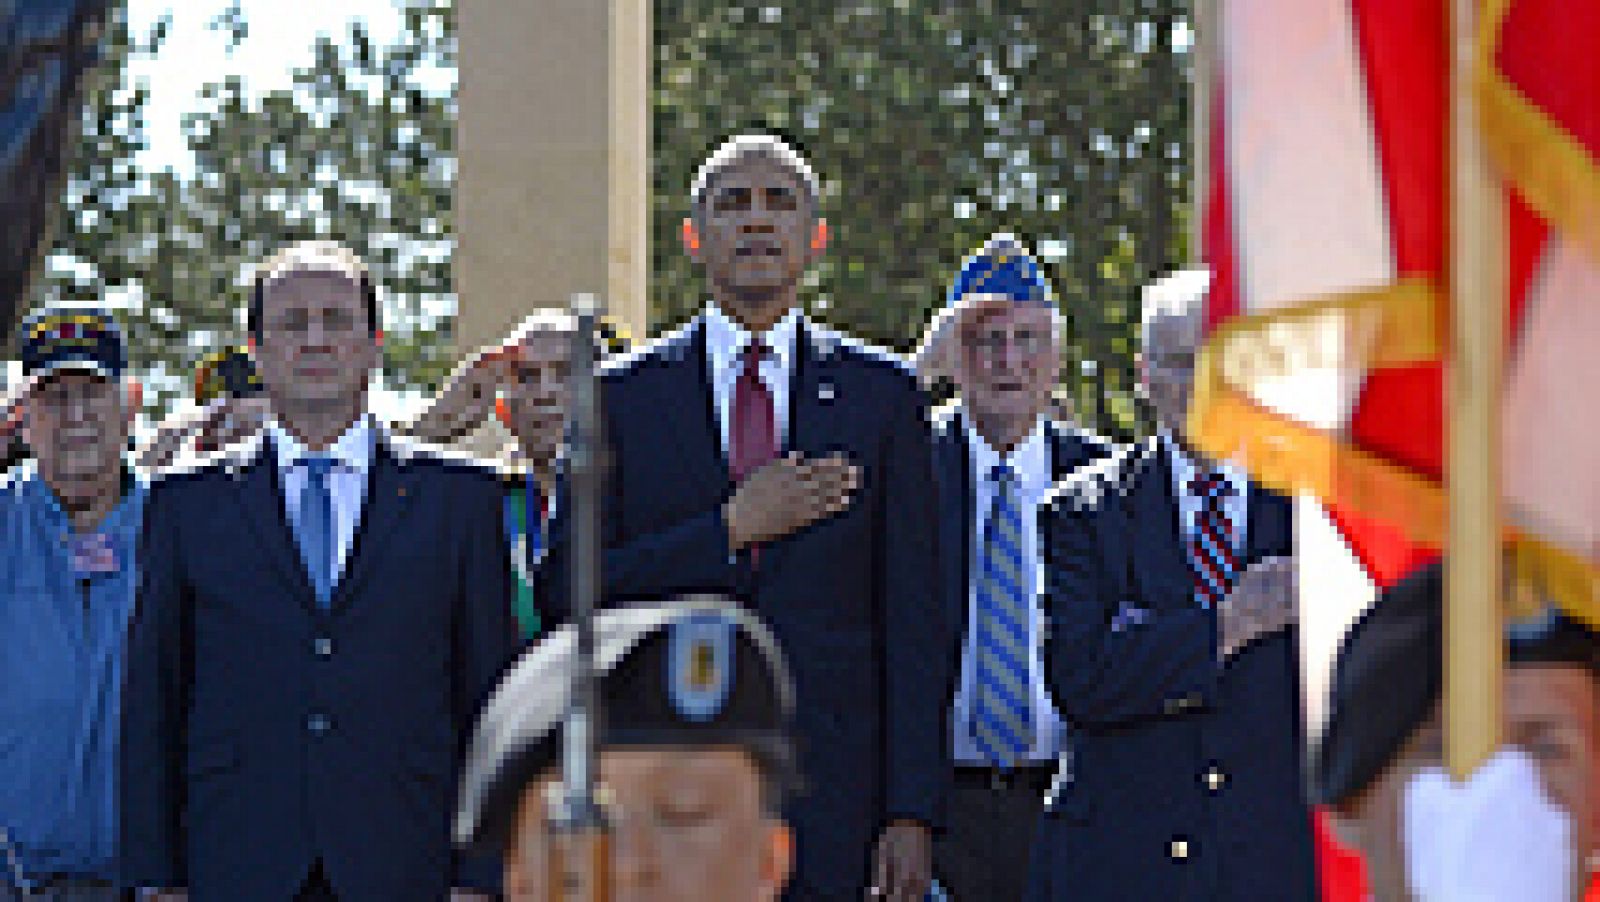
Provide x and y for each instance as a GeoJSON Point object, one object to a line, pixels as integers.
{"type": "Point", "coordinates": [317, 888]}
{"type": "Point", "coordinates": [990, 825]}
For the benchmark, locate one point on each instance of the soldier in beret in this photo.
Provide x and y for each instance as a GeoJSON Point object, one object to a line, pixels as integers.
{"type": "Point", "coordinates": [1527, 825]}
{"type": "Point", "coordinates": [697, 704]}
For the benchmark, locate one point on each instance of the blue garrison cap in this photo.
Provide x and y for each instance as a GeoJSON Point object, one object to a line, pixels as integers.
{"type": "Point", "coordinates": [72, 335]}
{"type": "Point", "coordinates": [1002, 267]}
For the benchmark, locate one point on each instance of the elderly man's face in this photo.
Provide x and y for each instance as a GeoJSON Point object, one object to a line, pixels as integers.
{"type": "Point", "coordinates": [76, 422]}
{"type": "Point", "coordinates": [1167, 362]}
{"type": "Point", "coordinates": [687, 825]}
{"type": "Point", "coordinates": [1552, 712]}
{"type": "Point", "coordinates": [536, 390]}
{"type": "Point", "coordinates": [1009, 360]}
{"type": "Point", "coordinates": [755, 230]}
{"type": "Point", "coordinates": [316, 344]}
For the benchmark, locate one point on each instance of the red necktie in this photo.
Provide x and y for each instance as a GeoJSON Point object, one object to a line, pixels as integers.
{"type": "Point", "coordinates": [752, 438]}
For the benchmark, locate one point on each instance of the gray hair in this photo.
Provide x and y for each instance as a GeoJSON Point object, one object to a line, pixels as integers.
{"type": "Point", "coordinates": [741, 148]}
{"type": "Point", "coordinates": [1178, 295]}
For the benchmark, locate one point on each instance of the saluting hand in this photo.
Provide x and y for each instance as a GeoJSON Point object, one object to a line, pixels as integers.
{"type": "Point", "coordinates": [788, 495]}
{"type": "Point", "coordinates": [1261, 603]}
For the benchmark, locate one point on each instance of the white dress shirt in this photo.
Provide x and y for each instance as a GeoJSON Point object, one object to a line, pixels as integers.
{"type": "Point", "coordinates": [1030, 461]}
{"type": "Point", "coordinates": [1235, 505]}
{"type": "Point", "coordinates": [726, 341]}
{"type": "Point", "coordinates": [352, 454]}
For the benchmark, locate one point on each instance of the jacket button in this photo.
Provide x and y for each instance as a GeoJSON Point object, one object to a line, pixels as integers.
{"type": "Point", "coordinates": [1178, 849]}
{"type": "Point", "coordinates": [323, 647]}
{"type": "Point", "coordinates": [318, 724]}
{"type": "Point", "coordinates": [1215, 779]}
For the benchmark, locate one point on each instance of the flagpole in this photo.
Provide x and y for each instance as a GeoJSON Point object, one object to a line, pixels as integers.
{"type": "Point", "coordinates": [1478, 288]}
{"type": "Point", "coordinates": [1202, 57]}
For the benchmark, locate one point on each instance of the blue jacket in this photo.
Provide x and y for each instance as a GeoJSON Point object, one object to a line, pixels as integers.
{"type": "Point", "coordinates": [853, 599]}
{"type": "Point", "coordinates": [263, 734]}
{"type": "Point", "coordinates": [1186, 775]}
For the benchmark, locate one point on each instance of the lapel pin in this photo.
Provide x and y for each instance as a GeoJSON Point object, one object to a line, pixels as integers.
{"type": "Point", "coordinates": [825, 391]}
{"type": "Point", "coordinates": [402, 491]}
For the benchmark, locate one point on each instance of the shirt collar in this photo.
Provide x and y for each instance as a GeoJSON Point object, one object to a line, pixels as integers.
{"type": "Point", "coordinates": [1184, 468]}
{"type": "Point", "coordinates": [1029, 459]}
{"type": "Point", "coordinates": [352, 451]}
{"type": "Point", "coordinates": [725, 338]}
{"type": "Point", "coordinates": [124, 517]}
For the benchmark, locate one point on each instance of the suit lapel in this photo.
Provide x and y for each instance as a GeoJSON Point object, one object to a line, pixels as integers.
{"type": "Point", "coordinates": [689, 410]}
{"type": "Point", "coordinates": [813, 412]}
{"type": "Point", "coordinates": [390, 490]}
{"type": "Point", "coordinates": [260, 495]}
{"type": "Point", "coordinates": [1271, 524]}
{"type": "Point", "coordinates": [958, 506]}
{"type": "Point", "coordinates": [1156, 536]}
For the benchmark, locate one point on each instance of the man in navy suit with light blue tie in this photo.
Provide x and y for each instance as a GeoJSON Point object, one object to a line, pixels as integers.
{"type": "Point", "coordinates": [996, 454]}
{"type": "Point", "coordinates": [759, 455]}
{"type": "Point", "coordinates": [1172, 652]}
{"type": "Point", "coordinates": [320, 613]}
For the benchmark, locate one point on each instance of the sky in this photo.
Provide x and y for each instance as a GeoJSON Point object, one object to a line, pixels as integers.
{"type": "Point", "coordinates": [277, 44]}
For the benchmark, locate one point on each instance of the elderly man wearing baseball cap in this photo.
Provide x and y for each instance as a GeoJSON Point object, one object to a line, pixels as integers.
{"type": "Point", "coordinates": [69, 522]}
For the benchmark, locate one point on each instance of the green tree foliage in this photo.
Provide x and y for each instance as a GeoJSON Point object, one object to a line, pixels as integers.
{"type": "Point", "coordinates": [933, 124]}
{"type": "Point", "coordinates": [360, 149]}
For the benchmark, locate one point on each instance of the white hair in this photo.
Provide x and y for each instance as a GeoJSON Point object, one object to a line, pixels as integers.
{"type": "Point", "coordinates": [1179, 295]}
{"type": "Point", "coordinates": [740, 148]}
{"type": "Point", "coordinates": [549, 321]}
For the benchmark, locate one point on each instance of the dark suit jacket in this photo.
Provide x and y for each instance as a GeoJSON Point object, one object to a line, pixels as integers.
{"type": "Point", "coordinates": [1167, 745]}
{"type": "Point", "coordinates": [260, 733]}
{"type": "Point", "coordinates": [853, 599]}
{"type": "Point", "coordinates": [1070, 448]}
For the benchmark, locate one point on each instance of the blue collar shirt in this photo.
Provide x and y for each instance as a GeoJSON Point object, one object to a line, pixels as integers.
{"type": "Point", "coordinates": [63, 623]}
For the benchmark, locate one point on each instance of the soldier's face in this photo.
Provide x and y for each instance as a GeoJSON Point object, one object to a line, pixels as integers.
{"type": "Point", "coordinates": [1009, 360]}
{"type": "Point", "coordinates": [536, 392]}
{"type": "Point", "coordinates": [316, 345]}
{"type": "Point", "coordinates": [76, 422]}
{"type": "Point", "coordinates": [755, 229]}
{"type": "Point", "coordinates": [687, 826]}
{"type": "Point", "coordinates": [1551, 712]}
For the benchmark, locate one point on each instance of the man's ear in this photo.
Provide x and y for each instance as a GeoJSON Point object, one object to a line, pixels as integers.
{"type": "Point", "coordinates": [691, 237]}
{"type": "Point", "coordinates": [777, 860]}
{"type": "Point", "coordinates": [135, 390]}
{"type": "Point", "coordinates": [819, 237]}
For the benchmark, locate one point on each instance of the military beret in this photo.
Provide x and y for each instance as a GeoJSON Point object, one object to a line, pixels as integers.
{"type": "Point", "coordinates": [230, 372]}
{"type": "Point", "coordinates": [698, 671]}
{"type": "Point", "coordinates": [1387, 677]}
{"type": "Point", "coordinates": [60, 336]}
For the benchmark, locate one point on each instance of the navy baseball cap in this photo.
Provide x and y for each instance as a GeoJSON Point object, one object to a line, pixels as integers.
{"type": "Point", "coordinates": [76, 336]}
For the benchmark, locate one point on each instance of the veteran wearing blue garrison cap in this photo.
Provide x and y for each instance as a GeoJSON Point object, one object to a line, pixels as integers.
{"type": "Point", "coordinates": [695, 763]}
{"type": "Point", "coordinates": [69, 525]}
{"type": "Point", "coordinates": [996, 452]}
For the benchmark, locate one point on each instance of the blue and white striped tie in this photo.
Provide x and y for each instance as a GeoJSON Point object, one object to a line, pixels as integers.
{"type": "Point", "coordinates": [1002, 716]}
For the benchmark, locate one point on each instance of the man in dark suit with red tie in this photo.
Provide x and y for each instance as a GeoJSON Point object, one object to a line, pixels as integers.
{"type": "Point", "coordinates": [759, 455]}
{"type": "Point", "coordinates": [1169, 587]}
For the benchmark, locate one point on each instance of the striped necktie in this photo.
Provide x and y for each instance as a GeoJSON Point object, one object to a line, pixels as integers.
{"type": "Point", "coordinates": [1212, 558]}
{"type": "Point", "coordinates": [1002, 716]}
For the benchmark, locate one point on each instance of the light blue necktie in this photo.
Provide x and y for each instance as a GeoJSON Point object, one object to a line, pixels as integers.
{"type": "Point", "coordinates": [1002, 713]}
{"type": "Point", "coordinates": [314, 526]}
